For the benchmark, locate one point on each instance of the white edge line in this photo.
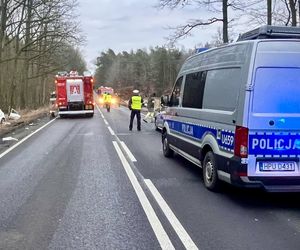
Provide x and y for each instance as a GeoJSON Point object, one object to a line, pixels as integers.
{"type": "Point", "coordinates": [128, 152]}
{"type": "Point", "coordinates": [25, 138]}
{"type": "Point", "coordinates": [105, 121]}
{"type": "Point", "coordinates": [111, 131]}
{"type": "Point", "coordinates": [100, 111]}
{"type": "Point", "coordinates": [179, 229]}
{"type": "Point", "coordinates": [155, 223]}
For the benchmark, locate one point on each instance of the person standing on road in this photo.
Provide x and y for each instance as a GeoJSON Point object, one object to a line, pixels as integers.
{"type": "Point", "coordinates": [150, 106]}
{"type": "Point", "coordinates": [135, 105]}
{"type": "Point", "coordinates": [107, 101]}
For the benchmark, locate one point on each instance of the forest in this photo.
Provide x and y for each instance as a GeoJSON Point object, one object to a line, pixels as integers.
{"type": "Point", "coordinates": [37, 39]}
{"type": "Point", "coordinates": [152, 70]}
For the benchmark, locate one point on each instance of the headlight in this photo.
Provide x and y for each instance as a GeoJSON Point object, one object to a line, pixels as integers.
{"type": "Point", "coordinates": [113, 101]}
{"type": "Point", "coordinates": [101, 100]}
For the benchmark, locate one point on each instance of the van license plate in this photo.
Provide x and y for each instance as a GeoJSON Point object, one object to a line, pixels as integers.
{"type": "Point", "coordinates": [277, 166]}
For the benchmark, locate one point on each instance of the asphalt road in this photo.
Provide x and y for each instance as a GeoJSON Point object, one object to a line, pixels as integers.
{"type": "Point", "coordinates": [92, 184]}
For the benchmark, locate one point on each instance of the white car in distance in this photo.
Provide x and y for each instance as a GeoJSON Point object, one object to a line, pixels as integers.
{"type": "Point", "coordinates": [2, 117]}
{"type": "Point", "coordinates": [14, 115]}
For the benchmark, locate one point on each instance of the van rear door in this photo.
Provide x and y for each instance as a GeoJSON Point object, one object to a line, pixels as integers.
{"type": "Point", "coordinates": [274, 117]}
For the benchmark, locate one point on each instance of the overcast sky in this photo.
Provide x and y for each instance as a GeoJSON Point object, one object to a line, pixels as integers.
{"type": "Point", "coordinates": [132, 24]}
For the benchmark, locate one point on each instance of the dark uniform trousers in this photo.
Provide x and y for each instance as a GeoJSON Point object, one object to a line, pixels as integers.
{"type": "Point", "coordinates": [136, 113]}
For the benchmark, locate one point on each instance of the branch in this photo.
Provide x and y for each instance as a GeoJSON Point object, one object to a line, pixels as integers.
{"type": "Point", "coordinates": [183, 31]}
{"type": "Point", "coordinates": [172, 4]}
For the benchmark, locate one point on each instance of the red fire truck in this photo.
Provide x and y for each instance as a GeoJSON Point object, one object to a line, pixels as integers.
{"type": "Point", "coordinates": [74, 94]}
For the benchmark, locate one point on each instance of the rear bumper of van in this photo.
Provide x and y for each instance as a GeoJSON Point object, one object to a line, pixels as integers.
{"type": "Point", "coordinates": [238, 177]}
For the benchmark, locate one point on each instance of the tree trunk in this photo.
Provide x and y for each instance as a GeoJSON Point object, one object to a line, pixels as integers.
{"type": "Point", "coordinates": [292, 4]}
{"type": "Point", "coordinates": [225, 21]}
{"type": "Point", "coordinates": [299, 10]}
{"type": "Point", "coordinates": [24, 92]}
{"type": "Point", "coordinates": [269, 12]}
{"type": "Point", "coordinates": [3, 24]}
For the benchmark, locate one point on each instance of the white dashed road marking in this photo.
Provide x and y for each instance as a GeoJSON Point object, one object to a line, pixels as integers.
{"type": "Point", "coordinates": [110, 130]}
{"type": "Point", "coordinates": [128, 152]}
{"type": "Point", "coordinates": [179, 229]}
{"type": "Point", "coordinates": [155, 223]}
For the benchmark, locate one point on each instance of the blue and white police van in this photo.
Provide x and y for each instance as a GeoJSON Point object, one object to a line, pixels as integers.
{"type": "Point", "coordinates": [235, 111]}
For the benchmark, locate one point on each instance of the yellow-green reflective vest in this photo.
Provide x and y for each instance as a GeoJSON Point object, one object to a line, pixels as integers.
{"type": "Point", "coordinates": [136, 102]}
{"type": "Point", "coordinates": [107, 98]}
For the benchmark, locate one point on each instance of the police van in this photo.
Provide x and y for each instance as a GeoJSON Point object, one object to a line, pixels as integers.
{"type": "Point", "coordinates": [235, 111]}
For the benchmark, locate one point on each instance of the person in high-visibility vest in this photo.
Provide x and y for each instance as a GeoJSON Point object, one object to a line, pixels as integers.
{"type": "Point", "coordinates": [107, 101]}
{"type": "Point", "coordinates": [103, 98]}
{"type": "Point", "coordinates": [135, 105]}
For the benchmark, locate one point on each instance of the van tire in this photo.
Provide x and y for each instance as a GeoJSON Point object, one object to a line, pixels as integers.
{"type": "Point", "coordinates": [2, 121]}
{"type": "Point", "coordinates": [167, 151]}
{"type": "Point", "coordinates": [210, 172]}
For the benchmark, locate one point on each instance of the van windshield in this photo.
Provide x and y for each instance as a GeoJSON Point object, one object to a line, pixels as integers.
{"type": "Point", "coordinates": [277, 90]}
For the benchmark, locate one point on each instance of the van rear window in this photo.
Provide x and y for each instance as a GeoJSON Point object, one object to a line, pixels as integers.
{"type": "Point", "coordinates": [277, 90]}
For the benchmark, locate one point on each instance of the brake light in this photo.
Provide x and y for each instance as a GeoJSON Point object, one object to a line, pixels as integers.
{"type": "Point", "coordinates": [241, 142]}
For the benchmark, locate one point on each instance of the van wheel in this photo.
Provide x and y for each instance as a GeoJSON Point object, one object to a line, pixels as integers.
{"type": "Point", "coordinates": [210, 172]}
{"type": "Point", "coordinates": [2, 121]}
{"type": "Point", "coordinates": [167, 151]}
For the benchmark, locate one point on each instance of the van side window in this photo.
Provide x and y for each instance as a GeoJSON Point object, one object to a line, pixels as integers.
{"type": "Point", "coordinates": [222, 89]}
{"type": "Point", "coordinates": [193, 90]}
{"type": "Point", "coordinates": [174, 101]}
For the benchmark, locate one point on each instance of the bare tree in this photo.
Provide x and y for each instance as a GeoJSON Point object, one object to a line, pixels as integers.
{"type": "Point", "coordinates": [219, 10]}
{"type": "Point", "coordinates": [33, 33]}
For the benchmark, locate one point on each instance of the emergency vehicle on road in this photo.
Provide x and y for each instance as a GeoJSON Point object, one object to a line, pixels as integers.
{"type": "Point", "coordinates": [235, 111]}
{"type": "Point", "coordinates": [74, 94]}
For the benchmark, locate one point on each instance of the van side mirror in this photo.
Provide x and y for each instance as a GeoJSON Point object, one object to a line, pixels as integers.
{"type": "Point", "coordinates": [165, 100]}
